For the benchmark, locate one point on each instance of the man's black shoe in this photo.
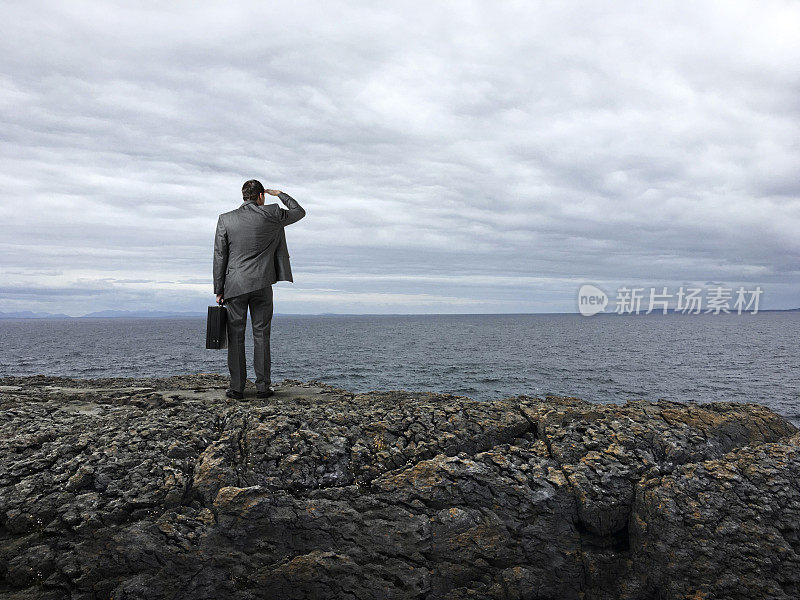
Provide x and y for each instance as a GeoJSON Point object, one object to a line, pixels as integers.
{"type": "Point", "coordinates": [265, 394]}
{"type": "Point", "coordinates": [235, 395]}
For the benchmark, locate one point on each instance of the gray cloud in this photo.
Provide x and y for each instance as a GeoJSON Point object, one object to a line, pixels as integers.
{"type": "Point", "coordinates": [454, 157]}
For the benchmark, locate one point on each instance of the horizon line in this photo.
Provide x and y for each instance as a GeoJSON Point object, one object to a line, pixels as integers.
{"type": "Point", "coordinates": [195, 315]}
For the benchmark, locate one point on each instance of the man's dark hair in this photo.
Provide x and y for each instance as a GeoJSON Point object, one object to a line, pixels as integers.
{"type": "Point", "coordinates": [252, 189]}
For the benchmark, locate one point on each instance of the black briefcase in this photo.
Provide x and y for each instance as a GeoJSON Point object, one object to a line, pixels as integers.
{"type": "Point", "coordinates": [216, 328]}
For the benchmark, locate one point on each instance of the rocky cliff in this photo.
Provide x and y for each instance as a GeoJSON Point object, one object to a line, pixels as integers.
{"type": "Point", "coordinates": [163, 488]}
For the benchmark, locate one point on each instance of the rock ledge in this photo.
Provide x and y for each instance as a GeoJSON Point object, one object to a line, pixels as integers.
{"type": "Point", "coordinates": [163, 488]}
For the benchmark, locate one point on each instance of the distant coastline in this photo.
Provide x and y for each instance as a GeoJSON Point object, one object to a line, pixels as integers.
{"type": "Point", "coordinates": [157, 314]}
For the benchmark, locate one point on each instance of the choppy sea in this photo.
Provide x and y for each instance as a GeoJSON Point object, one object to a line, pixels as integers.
{"type": "Point", "coordinates": [604, 358]}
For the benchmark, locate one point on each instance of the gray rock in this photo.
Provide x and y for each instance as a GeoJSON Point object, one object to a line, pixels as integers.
{"type": "Point", "coordinates": [164, 488]}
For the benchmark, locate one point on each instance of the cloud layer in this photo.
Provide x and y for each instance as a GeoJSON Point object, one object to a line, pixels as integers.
{"type": "Point", "coordinates": [452, 157]}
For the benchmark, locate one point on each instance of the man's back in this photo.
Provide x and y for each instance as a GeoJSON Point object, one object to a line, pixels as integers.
{"type": "Point", "coordinates": [250, 255]}
{"type": "Point", "coordinates": [250, 249]}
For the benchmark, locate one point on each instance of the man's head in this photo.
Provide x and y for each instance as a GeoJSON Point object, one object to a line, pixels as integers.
{"type": "Point", "coordinates": [253, 190]}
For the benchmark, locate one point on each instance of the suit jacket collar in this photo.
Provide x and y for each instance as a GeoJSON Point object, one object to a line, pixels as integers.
{"type": "Point", "coordinates": [253, 202]}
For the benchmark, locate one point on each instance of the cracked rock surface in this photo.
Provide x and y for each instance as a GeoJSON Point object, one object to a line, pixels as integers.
{"type": "Point", "coordinates": [165, 489]}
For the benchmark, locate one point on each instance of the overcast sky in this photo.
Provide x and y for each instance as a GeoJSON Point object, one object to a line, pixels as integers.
{"type": "Point", "coordinates": [451, 156]}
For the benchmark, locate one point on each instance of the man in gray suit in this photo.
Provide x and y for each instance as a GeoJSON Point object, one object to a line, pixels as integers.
{"type": "Point", "coordinates": [250, 254]}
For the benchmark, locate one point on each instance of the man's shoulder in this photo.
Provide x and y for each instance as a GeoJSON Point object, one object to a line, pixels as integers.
{"type": "Point", "coordinates": [269, 211]}
{"type": "Point", "coordinates": [234, 211]}
{"type": "Point", "coordinates": [270, 208]}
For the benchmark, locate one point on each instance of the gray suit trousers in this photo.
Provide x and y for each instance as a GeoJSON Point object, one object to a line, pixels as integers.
{"type": "Point", "coordinates": [260, 303]}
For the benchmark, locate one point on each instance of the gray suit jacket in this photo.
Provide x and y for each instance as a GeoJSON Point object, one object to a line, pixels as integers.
{"type": "Point", "coordinates": [250, 246]}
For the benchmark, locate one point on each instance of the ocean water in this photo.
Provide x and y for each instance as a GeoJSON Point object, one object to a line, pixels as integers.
{"type": "Point", "coordinates": [604, 358]}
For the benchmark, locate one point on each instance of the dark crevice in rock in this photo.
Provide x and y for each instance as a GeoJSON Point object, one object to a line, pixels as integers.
{"type": "Point", "coordinates": [188, 496]}
{"type": "Point", "coordinates": [619, 541]}
{"type": "Point", "coordinates": [240, 457]}
{"type": "Point", "coordinates": [533, 425]}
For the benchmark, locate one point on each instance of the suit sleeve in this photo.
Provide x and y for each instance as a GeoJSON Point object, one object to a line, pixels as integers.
{"type": "Point", "coordinates": [291, 214]}
{"type": "Point", "coordinates": [220, 256]}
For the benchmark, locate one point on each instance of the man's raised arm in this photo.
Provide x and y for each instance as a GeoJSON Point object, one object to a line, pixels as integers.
{"type": "Point", "coordinates": [293, 211]}
{"type": "Point", "coordinates": [220, 257]}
